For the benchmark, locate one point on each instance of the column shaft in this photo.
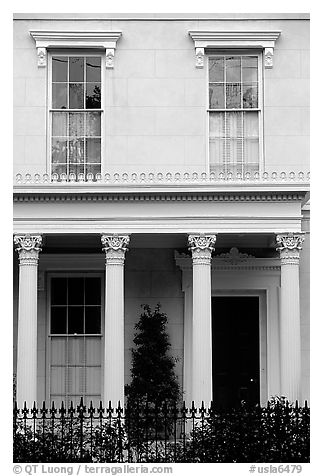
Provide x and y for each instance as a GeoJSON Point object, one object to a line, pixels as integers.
{"type": "Point", "coordinates": [290, 332]}
{"type": "Point", "coordinates": [202, 335]}
{"type": "Point", "coordinates": [114, 336]}
{"type": "Point", "coordinates": [201, 247]}
{"type": "Point", "coordinates": [115, 247]}
{"type": "Point", "coordinates": [289, 246]}
{"type": "Point", "coordinates": [28, 248]}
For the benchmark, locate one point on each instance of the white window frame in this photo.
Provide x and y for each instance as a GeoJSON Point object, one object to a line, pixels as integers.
{"type": "Point", "coordinates": [236, 52]}
{"type": "Point", "coordinates": [80, 53]}
{"type": "Point", "coordinates": [71, 274]}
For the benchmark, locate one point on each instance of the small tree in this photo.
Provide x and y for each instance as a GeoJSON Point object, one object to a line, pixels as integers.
{"type": "Point", "coordinates": [153, 376]}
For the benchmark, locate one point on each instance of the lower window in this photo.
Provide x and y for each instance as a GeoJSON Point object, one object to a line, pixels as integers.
{"type": "Point", "coordinates": [75, 339]}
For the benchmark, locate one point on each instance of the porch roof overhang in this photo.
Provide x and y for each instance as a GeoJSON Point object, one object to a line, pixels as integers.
{"type": "Point", "coordinates": [255, 207]}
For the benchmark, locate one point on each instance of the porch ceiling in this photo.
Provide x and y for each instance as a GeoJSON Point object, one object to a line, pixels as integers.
{"type": "Point", "coordinates": [76, 243]}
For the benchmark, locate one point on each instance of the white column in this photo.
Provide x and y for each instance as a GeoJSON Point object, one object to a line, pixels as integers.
{"type": "Point", "coordinates": [115, 247]}
{"type": "Point", "coordinates": [28, 247]}
{"type": "Point", "coordinates": [201, 247]}
{"type": "Point", "coordinates": [289, 245]}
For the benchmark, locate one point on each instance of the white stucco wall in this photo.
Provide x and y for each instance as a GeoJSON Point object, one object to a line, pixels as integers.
{"type": "Point", "coordinates": [156, 99]}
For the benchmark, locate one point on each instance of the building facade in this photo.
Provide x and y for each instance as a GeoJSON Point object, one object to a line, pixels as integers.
{"type": "Point", "coordinates": [161, 160]}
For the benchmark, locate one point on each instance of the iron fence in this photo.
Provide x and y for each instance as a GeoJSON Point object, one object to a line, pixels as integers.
{"type": "Point", "coordinates": [278, 432]}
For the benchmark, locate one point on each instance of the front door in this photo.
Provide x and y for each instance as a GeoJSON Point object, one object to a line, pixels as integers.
{"type": "Point", "coordinates": [235, 354]}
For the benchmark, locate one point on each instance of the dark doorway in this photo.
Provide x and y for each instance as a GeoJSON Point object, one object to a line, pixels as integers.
{"type": "Point", "coordinates": [235, 354]}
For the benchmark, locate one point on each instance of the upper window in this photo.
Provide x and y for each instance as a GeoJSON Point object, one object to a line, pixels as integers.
{"type": "Point", "coordinates": [75, 115]}
{"type": "Point", "coordinates": [234, 113]}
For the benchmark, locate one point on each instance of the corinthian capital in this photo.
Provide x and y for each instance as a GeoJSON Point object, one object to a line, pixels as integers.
{"type": "Point", "coordinates": [115, 247]}
{"type": "Point", "coordinates": [289, 246]}
{"type": "Point", "coordinates": [28, 247]}
{"type": "Point", "coordinates": [201, 247]}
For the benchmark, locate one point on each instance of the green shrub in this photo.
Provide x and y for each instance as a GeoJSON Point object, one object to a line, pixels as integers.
{"type": "Point", "coordinates": [278, 433]}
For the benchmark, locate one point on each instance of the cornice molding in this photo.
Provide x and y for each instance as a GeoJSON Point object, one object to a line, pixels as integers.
{"type": "Point", "coordinates": [100, 39]}
{"type": "Point", "coordinates": [222, 39]}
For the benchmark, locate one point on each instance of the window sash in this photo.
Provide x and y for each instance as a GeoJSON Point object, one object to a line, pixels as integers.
{"type": "Point", "coordinates": [75, 360]}
{"type": "Point", "coordinates": [72, 153]}
{"type": "Point", "coordinates": [235, 149]}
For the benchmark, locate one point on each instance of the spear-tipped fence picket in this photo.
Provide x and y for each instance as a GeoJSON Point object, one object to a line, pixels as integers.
{"type": "Point", "coordinates": [278, 432]}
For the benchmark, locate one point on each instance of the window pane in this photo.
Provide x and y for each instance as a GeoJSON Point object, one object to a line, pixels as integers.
{"type": "Point", "coordinates": [233, 96]}
{"type": "Point", "coordinates": [58, 320]}
{"type": "Point", "coordinates": [233, 124]}
{"type": "Point", "coordinates": [93, 96]}
{"type": "Point", "coordinates": [93, 380]}
{"type": "Point", "coordinates": [93, 350]}
{"type": "Point", "coordinates": [234, 152]}
{"type": "Point", "coordinates": [59, 124]}
{"type": "Point", "coordinates": [250, 96]}
{"type": "Point", "coordinates": [93, 124]}
{"type": "Point", "coordinates": [59, 69]}
{"type": "Point", "coordinates": [93, 291]}
{"type": "Point", "coordinates": [93, 150]}
{"type": "Point", "coordinates": [59, 96]}
{"type": "Point", "coordinates": [76, 96]}
{"type": "Point", "coordinates": [58, 291]}
{"type": "Point", "coordinates": [251, 125]}
{"type": "Point", "coordinates": [75, 320]}
{"type": "Point", "coordinates": [59, 151]}
{"type": "Point", "coordinates": [93, 169]}
{"type": "Point", "coordinates": [216, 150]}
{"type": "Point", "coordinates": [76, 169]}
{"type": "Point", "coordinates": [76, 149]}
{"type": "Point", "coordinates": [233, 69]}
{"type": "Point", "coordinates": [59, 169]}
{"type": "Point", "coordinates": [75, 291]}
{"type": "Point", "coordinates": [216, 70]}
{"type": "Point", "coordinates": [76, 124]}
{"type": "Point", "coordinates": [251, 151]}
{"type": "Point", "coordinates": [249, 68]}
{"type": "Point", "coordinates": [216, 96]}
{"type": "Point", "coordinates": [93, 320]}
{"type": "Point", "coordinates": [76, 69]}
{"type": "Point", "coordinates": [93, 69]}
{"type": "Point", "coordinates": [217, 124]}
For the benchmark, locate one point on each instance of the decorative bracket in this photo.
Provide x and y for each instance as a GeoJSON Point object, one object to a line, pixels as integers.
{"type": "Point", "coordinates": [199, 57]}
{"type": "Point", "coordinates": [97, 39]}
{"type": "Point", "coordinates": [231, 39]}
{"type": "Point", "coordinates": [269, 57]}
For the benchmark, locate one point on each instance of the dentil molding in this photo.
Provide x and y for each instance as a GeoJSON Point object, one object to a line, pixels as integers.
{"type": "Point", "coordinates": [223, 39]}
{"type": "Point", "coordinates": [99, 39]}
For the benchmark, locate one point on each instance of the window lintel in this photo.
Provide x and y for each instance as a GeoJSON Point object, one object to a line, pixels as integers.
{"type": "Point", "coordinates": [98, 39]}
{"type": "Point", "coordinates": [228, 39]}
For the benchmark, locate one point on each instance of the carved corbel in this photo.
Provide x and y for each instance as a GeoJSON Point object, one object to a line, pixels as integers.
{"type": "Point", "coordinates": [199, 57]}
{"type": "Point", "coordinates": [109, 58]}
{"type": "Point", "coordinates": [41, 57]}
{"type": "Point", "coordinates": [269, 58]}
